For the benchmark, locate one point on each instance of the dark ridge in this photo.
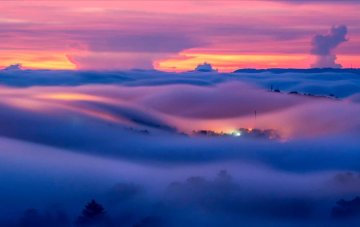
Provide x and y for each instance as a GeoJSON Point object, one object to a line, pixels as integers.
{"type": "Point", "coordinates": [291, 70]}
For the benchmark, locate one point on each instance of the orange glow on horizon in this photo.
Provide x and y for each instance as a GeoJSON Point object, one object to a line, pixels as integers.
{"type": "Point", "coordinates": [39, 60]}
{"type": "Point", "coordinates": [230, 62]}
{"type": "Point", "coordinates": [184, 61]}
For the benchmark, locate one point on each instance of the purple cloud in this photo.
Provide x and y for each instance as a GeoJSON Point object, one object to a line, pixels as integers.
{"type": "Point", "coordinates": [323, 47]}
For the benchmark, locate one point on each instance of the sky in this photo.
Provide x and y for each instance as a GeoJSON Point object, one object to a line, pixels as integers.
{"type": "Point", "coordinates": [170, 145]}
{"type": "Point", "coordinates": [178, 35]}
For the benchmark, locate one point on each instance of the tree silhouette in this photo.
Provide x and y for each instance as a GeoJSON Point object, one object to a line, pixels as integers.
{"type": "Point", "coordinates": [92, 214]}
{"type": "Point", "coordinates": [346, 209]}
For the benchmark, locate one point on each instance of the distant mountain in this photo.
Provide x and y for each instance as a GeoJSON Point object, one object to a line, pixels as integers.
{"type": "Point", "coordinates": [291, 70]}
{"type": "Point", "coordinates": [14, 67]}
{"type": "Point", "coordinates": [205, 67]}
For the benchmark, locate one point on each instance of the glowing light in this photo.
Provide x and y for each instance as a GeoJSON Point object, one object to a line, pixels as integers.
{"type": "Point", "coordinates": [236, 133]}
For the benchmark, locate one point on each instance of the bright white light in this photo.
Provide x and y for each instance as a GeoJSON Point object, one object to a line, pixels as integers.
{"type": "Point", "coordinates": [236, 133]}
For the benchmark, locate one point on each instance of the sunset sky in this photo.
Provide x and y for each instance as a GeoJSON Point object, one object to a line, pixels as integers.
{"type": "Point", "coordinates": [179, 113]}
{"type": "Point", "coordinates": [172, 35]}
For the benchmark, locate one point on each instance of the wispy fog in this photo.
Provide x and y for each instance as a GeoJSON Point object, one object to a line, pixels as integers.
{"type": "Point", "coordinates": [128, 141]}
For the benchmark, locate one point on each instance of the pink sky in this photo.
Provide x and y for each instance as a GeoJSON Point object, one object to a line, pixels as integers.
{"type": "Point", "coordinates": [172, 35]}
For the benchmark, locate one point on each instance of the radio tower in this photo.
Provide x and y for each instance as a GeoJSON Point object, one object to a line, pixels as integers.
{"type": "Point", "coordinates": [255, 119]}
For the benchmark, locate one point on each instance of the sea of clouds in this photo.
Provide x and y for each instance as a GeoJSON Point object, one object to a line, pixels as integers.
{"type": "Point", "coordinates": [126, 140]}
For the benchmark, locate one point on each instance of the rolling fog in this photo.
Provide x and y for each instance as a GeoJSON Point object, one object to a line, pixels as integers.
{"type": "Point", "coordinates": [126, 139]}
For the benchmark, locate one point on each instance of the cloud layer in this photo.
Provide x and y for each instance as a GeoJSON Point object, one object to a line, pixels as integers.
{"type": "Point", "coordinates": [125, 139]}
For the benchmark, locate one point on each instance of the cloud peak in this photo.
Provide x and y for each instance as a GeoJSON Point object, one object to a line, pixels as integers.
{"type": "Point", "coordinates": [323, 47]}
